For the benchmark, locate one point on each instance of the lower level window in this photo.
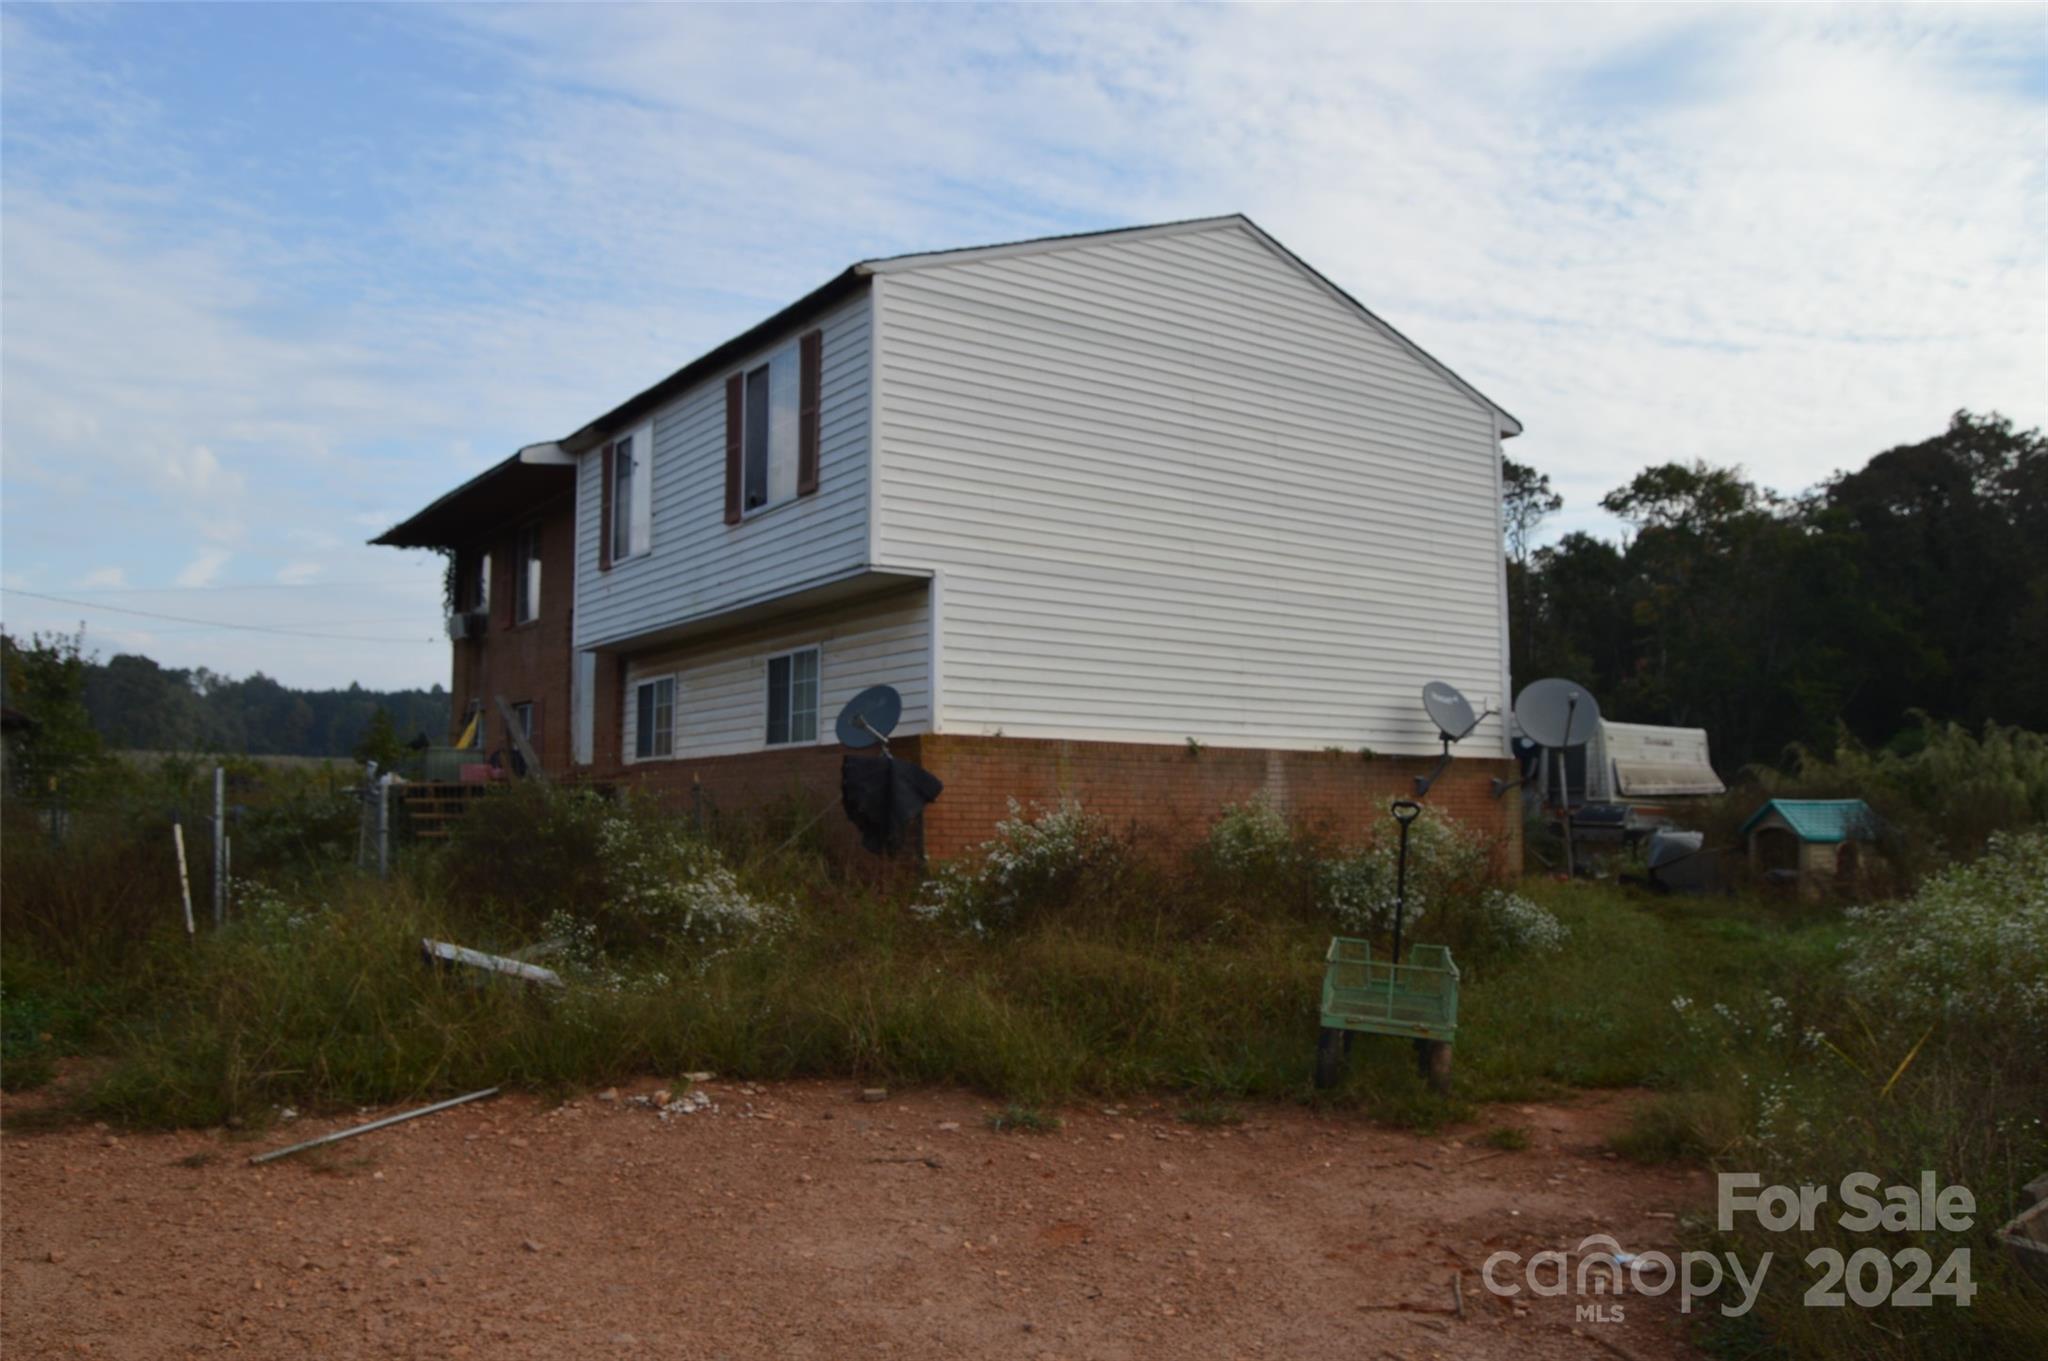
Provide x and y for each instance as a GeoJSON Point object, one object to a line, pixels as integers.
{"type": "Point", "coordinates": [522, 719]}
{"type": "Point", "coordinates": [793, 697]}
{"type": "Point", "coordinates": [654, 728]}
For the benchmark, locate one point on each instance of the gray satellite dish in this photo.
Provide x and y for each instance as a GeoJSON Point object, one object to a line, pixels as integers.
{"type": "Point", "coordinates": [869, 717]}
{"type": "Point", "coordinates": [1557, 713]}
{"type": "Point", "coordinates": [1452, 713]}
{"type": "Point", "coordinates": [1449, 710]}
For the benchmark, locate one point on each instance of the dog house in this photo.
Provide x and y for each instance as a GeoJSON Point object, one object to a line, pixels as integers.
{"type": "Point", "coordinates": [1819, 845]}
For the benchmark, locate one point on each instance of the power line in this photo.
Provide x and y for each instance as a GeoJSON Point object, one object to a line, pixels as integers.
{"type": "Point", "coordinates": [248, 586]}
{"type": "Point", "coordinates": [213, 623]}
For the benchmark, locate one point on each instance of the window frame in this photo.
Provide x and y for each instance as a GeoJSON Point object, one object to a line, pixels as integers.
{"type": "Point", "coordinates": [526, 573]}
{"type": "Point", "coordinates": [632, 494]}
{"type": "Point", "coordinates": [641, 730]}
{"type": "Point", "coordinates": [814, 650]}
{"type": "Point", "coordinates": [788, 360]}
{"type": "Point", "coordinates": [522, 714]}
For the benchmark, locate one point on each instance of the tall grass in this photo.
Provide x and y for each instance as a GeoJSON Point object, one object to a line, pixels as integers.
{"type": "Point", "coordinates": [1772, 1033]}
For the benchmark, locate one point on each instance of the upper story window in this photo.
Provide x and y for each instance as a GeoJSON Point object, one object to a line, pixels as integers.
{"type": "Point", "coordinates": [630, 497]}
{"type": "Point", "coordinates": [768, 431]}
{"type": "Point", "coordinates": [793, 697]}
{"type": "Point", "coordinates": [473, 581]}
{"type": "Point", "coordinates": [654, 718]}
{"type": "Point", "coordinates": [526, 575]}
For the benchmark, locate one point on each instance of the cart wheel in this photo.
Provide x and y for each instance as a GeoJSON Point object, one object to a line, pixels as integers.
{"type": "Point", "coordinates": [1333, 1047]}
{"type": "Point", "coordinates": [1433, 1063]}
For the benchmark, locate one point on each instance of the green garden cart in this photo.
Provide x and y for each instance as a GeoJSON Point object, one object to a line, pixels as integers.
{"type": "Point", "coordinates": [1415, 999]}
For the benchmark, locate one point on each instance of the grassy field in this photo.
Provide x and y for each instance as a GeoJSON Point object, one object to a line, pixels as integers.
{"type": "Point", "coordinates": [1066, 967]}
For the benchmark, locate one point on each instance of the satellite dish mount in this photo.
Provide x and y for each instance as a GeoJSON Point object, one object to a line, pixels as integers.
{"type": "Point", "coordinates": [1454, 719]}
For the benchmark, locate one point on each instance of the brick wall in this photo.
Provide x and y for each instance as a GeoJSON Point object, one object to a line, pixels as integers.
{"type": "Point", "coordinates": [1168, 795]}
{"type": "Point", "coordinates": [530, 662]}
{"type": "Point", "coordinates": [1173, 795]}
{"type": "Point", "coordinates": [800, 778]}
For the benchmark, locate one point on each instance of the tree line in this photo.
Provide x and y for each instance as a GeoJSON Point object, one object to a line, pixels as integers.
{"type": "Point", "coordinates": [1916, 582]}
{"type": "Point", "coordinates": [132, 702]}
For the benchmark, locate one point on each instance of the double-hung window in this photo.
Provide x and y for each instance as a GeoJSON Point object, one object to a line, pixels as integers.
{"type": "Point", "coordinates": [526, 575]}
{"type": "Point", "coordinates": [793, 697]}
{"type": "Point", "coordinates": [769, 431]}
{"type": "Point", "coordinates": [654, 718]}
{"type": "Point", "coordinates": [632, 493]}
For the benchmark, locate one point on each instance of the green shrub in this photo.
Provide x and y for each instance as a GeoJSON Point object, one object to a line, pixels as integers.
{"type": "Point", "coordinates": [1252, 844]}
{"type": "Point", "coordinates": [609, 878]}
{"type": "Point", "coordinates": [1447, 864]}
{"type": "Point", "coordinates": [1035, 865]}
{"type": "Point", "coordinates": [1970, 948]}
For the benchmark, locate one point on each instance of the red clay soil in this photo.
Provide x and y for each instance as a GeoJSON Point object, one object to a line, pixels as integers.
{"type": "Point", "coordinates": [794, 1220]}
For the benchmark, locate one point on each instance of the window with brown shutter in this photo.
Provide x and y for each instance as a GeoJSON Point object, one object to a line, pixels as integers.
{"type": "Point", "coordinates": [735, 395]}
{"type": "Point", "coordinates": [604, 515]}
{"type": "Point", "coordinates": [812, 351]}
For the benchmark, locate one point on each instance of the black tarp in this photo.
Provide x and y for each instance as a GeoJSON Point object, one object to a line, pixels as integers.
{"type": "Point", "coordinates": [883, 796]}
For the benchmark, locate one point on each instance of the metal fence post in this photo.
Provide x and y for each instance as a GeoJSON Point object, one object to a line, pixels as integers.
{"type": "Point", "coordinates": [384, 827]}
{"type": "Point", "coordinates": [220, 832]}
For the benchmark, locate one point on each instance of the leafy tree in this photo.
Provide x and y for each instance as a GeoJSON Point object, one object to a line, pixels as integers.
{"type": "Point", "coordinates": [1917, 582]}
{"type": "Point", "coordinates": [379, 742]}
{"type": "Point", "coordinates": [1526, 502]}
{"type": "Point", "coordinates": [58, 750]}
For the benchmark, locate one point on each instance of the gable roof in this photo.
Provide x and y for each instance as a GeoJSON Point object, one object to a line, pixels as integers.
{"type": "Point", "coordinates": [1819, 819]}
{"type": "Point", "coordinates": [855, 277]}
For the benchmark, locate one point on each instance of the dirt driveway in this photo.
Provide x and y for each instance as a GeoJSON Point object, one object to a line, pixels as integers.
{"type": "Point", "coordinates": [794, 1220]}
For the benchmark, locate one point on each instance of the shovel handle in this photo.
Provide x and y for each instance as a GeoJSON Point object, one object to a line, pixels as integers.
{"type": "Point", "coordinates": [1406, 811]}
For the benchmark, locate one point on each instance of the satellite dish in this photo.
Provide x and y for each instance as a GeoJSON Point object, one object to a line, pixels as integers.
{"type": "Point", "coordinates": [1557, 713]}
{"type": "Point", "coordinates": [1454, 719]}
{"type": "Point", "coordinates": [869, 717]}
{"type": "Point", "coordinates": [1449, 710]}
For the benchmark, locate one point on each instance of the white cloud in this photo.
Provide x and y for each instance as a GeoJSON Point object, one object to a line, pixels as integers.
{"type": "Point", "coordinates": [204, 569]}
{"type": "Point", "coordinates": [103, 578]}
{"type": "Point", "coordinates": [1781, 238]}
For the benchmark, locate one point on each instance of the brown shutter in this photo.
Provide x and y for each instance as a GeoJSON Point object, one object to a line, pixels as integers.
{"type": "Point", "coordinates": [811, 359]}
{"type": "Point", "coordinates": [735, 472]}
{"type": "Point", "coordinates": [604, 514]}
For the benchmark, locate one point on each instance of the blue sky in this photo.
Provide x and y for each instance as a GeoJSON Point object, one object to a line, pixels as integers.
{"type": "Point", "coordinates": [276, 275]}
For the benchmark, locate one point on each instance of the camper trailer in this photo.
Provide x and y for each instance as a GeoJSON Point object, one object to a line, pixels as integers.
{"type": "Point", "coordinates": [1627, 779]}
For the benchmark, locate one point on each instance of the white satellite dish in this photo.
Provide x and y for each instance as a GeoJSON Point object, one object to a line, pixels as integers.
{"type": "Point", "coordinates": [1557, 715]}
{"type": "Point", "coordinates": [1452, 713]}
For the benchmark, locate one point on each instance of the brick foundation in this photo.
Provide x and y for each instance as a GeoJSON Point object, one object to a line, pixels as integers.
{"type": "Point", "coordinates": [1165, 793]}
{"type": "Point", "coordinates": [1172, 795]}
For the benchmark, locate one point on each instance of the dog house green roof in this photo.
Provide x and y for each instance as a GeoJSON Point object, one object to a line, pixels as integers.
{"type": "Point", "coordinates": [1819, 820]}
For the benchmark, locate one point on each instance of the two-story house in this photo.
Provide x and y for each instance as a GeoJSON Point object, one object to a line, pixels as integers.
{"type": "Point", "coordinates": [1158, 519]}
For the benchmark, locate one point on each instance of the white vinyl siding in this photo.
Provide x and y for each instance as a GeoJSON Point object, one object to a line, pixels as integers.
{"type": "Point", "coordinates": [1173, 487]}
{"type": "Point", "coordinates": [722, 684]}
{"type": "Point", "coordinates": [696, 564]}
